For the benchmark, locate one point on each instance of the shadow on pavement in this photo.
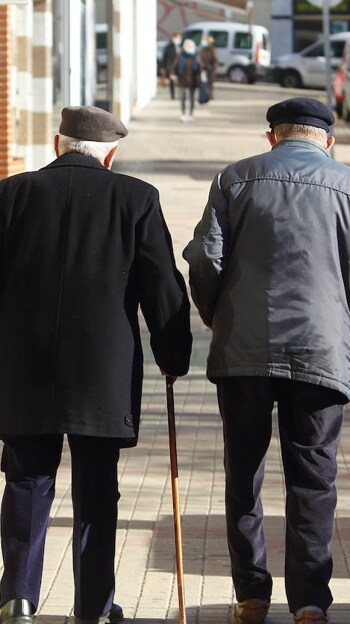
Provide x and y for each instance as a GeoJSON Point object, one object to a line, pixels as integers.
{"type": "Point", "coordinates": [197, 170]}
{"type": "Point", "coordinates": [215, 614]}
{"type": "Point", "coordinates": [204, 543]}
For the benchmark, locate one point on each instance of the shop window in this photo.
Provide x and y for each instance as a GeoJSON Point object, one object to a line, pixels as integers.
{"type": "Point", "coordinates": [309, 31]}
{"type": "Point", "coordinates": [220, 38]}
{"type": "Point", "coordinates": [304, 7]}
{"type": "Point", "coordinates": [243, 41]}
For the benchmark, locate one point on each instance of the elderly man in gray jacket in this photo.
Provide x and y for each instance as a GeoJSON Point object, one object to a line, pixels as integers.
{"type": "Point", "coordinates": [269, 274]}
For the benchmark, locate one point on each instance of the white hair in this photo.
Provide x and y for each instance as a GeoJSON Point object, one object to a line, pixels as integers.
{"type": "Point", "coordinates": [98, 149]}
{"type": "Point", "coordinates": [189, 46]}
{"type": "Point", "coordinates": [289, 130]}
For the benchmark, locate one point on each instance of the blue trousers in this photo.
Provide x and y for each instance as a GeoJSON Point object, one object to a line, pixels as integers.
{"type": "Point", "coordinates": [30, 464]}
{"type": "Point", "coordinates": [310, 419]}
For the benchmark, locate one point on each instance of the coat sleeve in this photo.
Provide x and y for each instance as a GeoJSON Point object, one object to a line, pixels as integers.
{"type": "Point", "coordinates": [207, 253]}
{"type": "Point", "coordinates": [169, 55]}
{"type": "Point", "coordinates": [163, 296]}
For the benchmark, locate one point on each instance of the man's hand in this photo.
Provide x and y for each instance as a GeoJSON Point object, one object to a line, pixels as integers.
{"type": "Point", "coordinates": [171, 378]}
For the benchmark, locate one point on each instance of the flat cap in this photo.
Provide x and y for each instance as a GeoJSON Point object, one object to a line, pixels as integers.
{"type": "Point", "coordinates": [301, 110]}
{"type": "Point", "coordinates": [90, 123]}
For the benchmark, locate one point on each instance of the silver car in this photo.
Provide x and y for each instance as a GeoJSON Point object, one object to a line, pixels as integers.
{"type": "Point", "coordinates": [308, 67]}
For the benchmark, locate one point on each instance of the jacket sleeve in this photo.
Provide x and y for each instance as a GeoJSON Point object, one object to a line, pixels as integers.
{"type": "Point", "coordinates": [169, 55]}
{"type": "Point", "coordinates": [163, 296]}
{"type": "Point", "coordinates": [207, 253]}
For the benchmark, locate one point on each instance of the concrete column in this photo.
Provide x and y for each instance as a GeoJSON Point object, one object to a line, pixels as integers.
{"type": "Point", "coordinates": [72, 41]}
{"type": "Point", "coordinates": [146, 61]}
{"type": "Point", "coordinates": [132, 76]}
{"type": "Point", "coordinates": [282, 27]}
{"type": "Point", "coordinates": [42, 83]}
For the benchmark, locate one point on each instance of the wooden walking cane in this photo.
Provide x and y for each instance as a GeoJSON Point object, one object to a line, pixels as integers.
{"type": "Point", "coordinates": [176, 498]}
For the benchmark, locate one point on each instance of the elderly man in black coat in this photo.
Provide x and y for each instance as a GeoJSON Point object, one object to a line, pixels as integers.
{"type": "Point", "coordinates": [81, 249]}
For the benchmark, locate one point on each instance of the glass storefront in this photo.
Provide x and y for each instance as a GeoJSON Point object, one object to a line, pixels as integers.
{"type": "Point", "coordinates": [303, 7]}
{"type": "Point", "coordinates": [308, 22]}
{"type": "Point", "coordinates": [73, 53]}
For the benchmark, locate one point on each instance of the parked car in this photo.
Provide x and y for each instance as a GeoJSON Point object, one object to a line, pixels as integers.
{"type": "Point", "coordinates": [346, 83]}
{"type": "Point", "coordinates": [338, 89]}
{"type": "Point", "coordinates": [244, 51]}
{"type": "Point", "coordinates": [308, 67]}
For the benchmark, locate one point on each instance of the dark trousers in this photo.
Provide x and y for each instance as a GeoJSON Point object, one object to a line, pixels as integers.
{"type": "Point", "coordinates": [310, 419]}
{"type": "Point", "coordinates": [184, 93]}
{"type": "Point", "coordinates": [30, 464]}
{"type": "Point", "coordinates": [171, 88]}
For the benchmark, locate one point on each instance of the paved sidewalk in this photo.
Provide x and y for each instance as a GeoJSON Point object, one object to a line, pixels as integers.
{"type": "Point", "coordinates": [181, 160]}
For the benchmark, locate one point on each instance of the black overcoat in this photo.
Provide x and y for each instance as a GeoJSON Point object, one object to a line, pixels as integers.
{"type": "Point", "coordinates": [81, 249]}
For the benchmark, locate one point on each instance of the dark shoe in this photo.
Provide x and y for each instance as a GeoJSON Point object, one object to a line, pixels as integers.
{"type": "Point", "coordinates": [114, 616]}
{"type": "Point", "coordinates": [250, 611]}
{"type": "Point", "coordinates": [17, 611]}
{"type": "Point", "coordinates": [311, 616]}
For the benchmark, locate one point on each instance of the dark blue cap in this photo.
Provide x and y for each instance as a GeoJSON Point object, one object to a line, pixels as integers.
{"type": "Point", "coordinates": [301, 110]}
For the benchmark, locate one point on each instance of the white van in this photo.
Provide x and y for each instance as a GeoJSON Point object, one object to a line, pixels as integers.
{"type": "Point", "coordinates": [308, 67]}
{"type": "Point", "coordinates": [244, 51]}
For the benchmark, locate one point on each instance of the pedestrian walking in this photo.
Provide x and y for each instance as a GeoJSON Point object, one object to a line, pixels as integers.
{"type": "Point", "coordinates": [82, 248]}
{"type": "Point", "coordinates": [186, 70]}
{"type": "Point", "coordinates": [169, 56]}
{"type": "Point", "coordinates": [269, 274]}
{"type": "Point", "coordinates": [209, 61]}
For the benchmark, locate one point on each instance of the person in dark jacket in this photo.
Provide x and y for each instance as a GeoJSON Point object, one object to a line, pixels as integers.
{"type": "Point", "coordinates": [208, 59]}
{"type": "Point", "coordinates": [81, 249]}
{"type": "Point", "coordinates": [186, 70]}
{"type": "Point", "coordinates": [269, 273]}
{"type": "Point", "coordinates": [169, 56]}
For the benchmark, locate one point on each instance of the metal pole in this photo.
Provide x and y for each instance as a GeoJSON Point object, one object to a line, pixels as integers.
{"type": "Point", "coordinates": [327, 51]}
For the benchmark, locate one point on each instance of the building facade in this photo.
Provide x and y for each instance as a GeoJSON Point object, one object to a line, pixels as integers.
{"type": "Point", "coordinates": [297, 23]}
{"type": "Point", "coordinates": [174, 15]}
{"type": "Point", "coordinates": [261, 13]}
{"type": "Point", "coordinates": [50, 58]}
{"type": "Point", "coordinates": [26, 102]}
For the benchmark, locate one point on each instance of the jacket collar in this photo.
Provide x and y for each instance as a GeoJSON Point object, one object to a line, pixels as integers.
{"type": "Point", "coordinates": [75, 159]}
{"type": "Point", "coordinates": [305, 143]}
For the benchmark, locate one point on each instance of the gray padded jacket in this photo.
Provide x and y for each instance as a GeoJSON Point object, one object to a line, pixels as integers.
{"type": "Point", "coordinates": [270, 267]}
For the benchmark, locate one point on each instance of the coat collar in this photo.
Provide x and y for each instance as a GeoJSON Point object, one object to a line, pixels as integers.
{"type": "Point", "coordinates": [75, 159]}
{"type": "Point", "coordinates": [300, 142]}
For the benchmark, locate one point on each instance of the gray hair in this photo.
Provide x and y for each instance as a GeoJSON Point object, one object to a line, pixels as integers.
{"type": "Point", "coordinates": [98, 149]}
{"type": "Point", "coordinates": [288, 130]}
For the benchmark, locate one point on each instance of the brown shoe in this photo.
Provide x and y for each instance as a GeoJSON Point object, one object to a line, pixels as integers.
{"type": "Point", "coordinates": [250, 611]}
{"type": "Point", "coordinates": [311, 616]}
